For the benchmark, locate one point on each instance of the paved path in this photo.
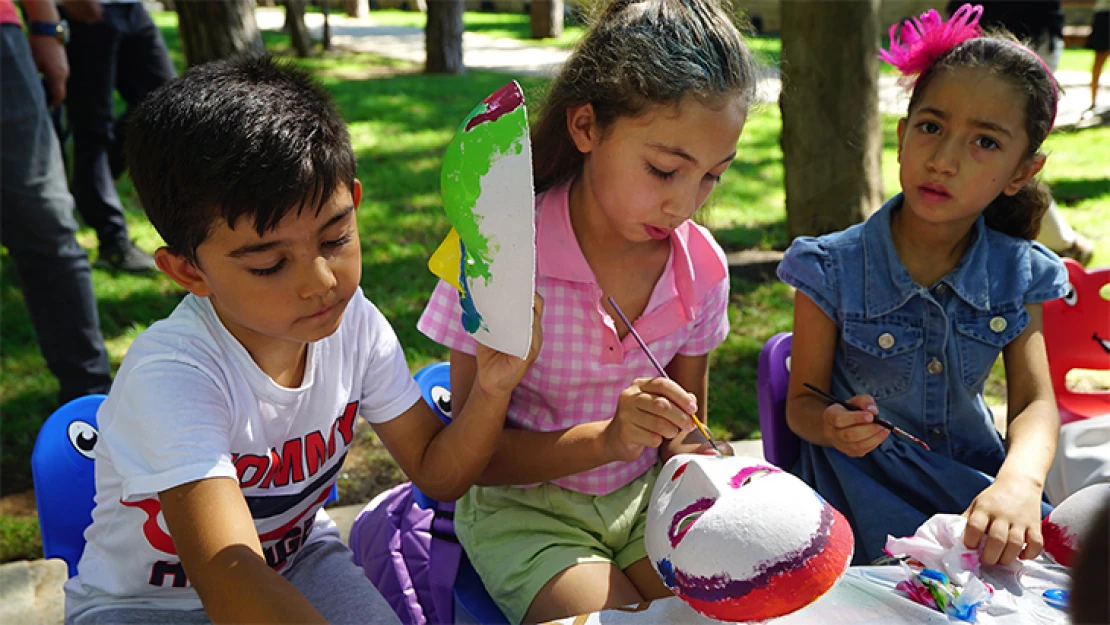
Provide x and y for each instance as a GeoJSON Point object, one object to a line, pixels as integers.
{"type": "Point", "coordinates": [524, 59]}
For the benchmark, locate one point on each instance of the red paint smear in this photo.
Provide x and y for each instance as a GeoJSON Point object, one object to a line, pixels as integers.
{"type": "Point", "coordinates": [791, 590]}
{"type": "Point", "coordinates": [1058, 542]}
{"type": "Point", "coordinates": [679, 471]}
{"type": "Point", "coordinates": [504, 100]}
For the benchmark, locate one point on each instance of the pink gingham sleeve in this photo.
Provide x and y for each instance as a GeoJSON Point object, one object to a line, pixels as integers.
{"type": "Point", "coordinates": [441, 320]}
{"type": "Point", "coordinates": [711, 326]}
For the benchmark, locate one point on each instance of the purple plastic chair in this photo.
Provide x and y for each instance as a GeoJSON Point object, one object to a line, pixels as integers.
{"type": "Point", "coordinates": [780, 445]}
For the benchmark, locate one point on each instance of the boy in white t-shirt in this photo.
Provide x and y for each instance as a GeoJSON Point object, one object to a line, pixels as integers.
{"type": "Point", "coordinates": [229, 420]}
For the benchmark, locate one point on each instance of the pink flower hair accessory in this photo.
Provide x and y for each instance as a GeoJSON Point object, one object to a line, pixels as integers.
{"type": "Point", "coordinates": [924, 39]}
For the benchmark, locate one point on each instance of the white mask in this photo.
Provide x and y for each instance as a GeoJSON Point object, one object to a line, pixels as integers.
{"type": "Point", "coordinates": [741, 540]}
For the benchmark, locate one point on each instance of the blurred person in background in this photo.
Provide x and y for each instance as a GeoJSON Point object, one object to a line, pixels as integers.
{"type": "Point", "coordinates": [36, 219]}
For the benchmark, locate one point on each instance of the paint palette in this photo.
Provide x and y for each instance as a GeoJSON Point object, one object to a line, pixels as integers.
{"type": "Point", "coordinates": [488, 195]}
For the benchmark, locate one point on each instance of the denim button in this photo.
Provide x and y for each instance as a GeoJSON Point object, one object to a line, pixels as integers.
{"type": "Point", "coordinates": [941, 288]}
{"type": "Point", "coordinates": [934, 366]}
{"type": "Point", "coordinates": [936, 433]}
{"type": "Point", "coordinates": [886, 340]}
{"type": "Point", "coordinates": [998, 324]}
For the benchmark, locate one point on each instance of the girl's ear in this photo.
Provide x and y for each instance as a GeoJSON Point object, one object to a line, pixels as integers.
{"type": "Point", "coordinates": [582, 126]}
{"type": "Point", "coordinates": [182, 271]}
{"type": "Point", "coordinates": [1024, 173]}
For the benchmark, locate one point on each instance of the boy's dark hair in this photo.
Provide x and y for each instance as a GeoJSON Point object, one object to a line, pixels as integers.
{"type": "Point", "coordinates": [640, 53]}
{"type": "Point", "coordinates": [247, 137]}
{"type": "Point", "coordinates": [1000, 54]}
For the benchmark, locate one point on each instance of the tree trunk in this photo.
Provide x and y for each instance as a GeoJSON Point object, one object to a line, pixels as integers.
{"type": "Point", "coordinates": [356, 8]}
{"type": "Point", "coordinates": [443, 37]}
{"type": "Point", "coordinates": [325, 41]}
{"type": "Point", "coordinates": [831, 131]}
{"type": "Point", "coordinates": [298, 32]}
{"type": "Point", "coordinates": [547, 18]}
{"type": "Point", "coordinates": [217, 29]}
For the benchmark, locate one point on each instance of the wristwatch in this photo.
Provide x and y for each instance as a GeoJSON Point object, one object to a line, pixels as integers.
{"type": "Point", "coordinates": [58, 30]}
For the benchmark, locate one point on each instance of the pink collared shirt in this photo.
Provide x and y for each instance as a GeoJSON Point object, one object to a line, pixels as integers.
{"type": "Point", "coordinates": [583, 365]}
{"type": "Point", "coordinates": [8, 14]}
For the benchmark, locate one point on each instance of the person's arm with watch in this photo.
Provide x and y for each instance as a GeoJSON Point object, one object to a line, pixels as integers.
{"type": "Point", "coordinates": [46, 35]}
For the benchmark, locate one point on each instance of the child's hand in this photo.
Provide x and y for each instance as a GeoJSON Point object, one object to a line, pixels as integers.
{"type": "Point", "coordinates": [499, 373]}
{"type": "Point", "coordinates": [854, 431]}
{"type": "Point", "coordinates": [648, 411]}
{"type": "Point", "coordinates": [1008, 515]}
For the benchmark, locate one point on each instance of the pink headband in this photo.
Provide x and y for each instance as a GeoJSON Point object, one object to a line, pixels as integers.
{"type": "Point", "coordinates": [926, 38]}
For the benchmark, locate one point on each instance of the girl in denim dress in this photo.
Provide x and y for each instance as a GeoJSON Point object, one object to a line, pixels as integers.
{"type": "Point", "coordinates": [906, 313]}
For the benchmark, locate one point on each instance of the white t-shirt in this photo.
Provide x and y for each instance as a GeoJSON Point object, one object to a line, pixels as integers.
{"type": "Point", "coordinates": [189, 403]}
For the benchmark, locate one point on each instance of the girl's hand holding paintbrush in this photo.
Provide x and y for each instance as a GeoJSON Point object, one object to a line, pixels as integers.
{"type": "Point", "coordinates": [854, 432]}
{"type": "Point", "coordinates": [868, 406]}
{"type": "Point", "coordinates": [648, 411]}
{"type": "Point", "coordinates": [649, 407]}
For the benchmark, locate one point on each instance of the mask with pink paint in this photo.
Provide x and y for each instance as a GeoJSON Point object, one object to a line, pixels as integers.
{"type": "Point", "coordinates": [738, 539]}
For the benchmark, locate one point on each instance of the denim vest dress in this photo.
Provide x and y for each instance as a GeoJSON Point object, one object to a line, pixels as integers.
{"type": "Point", "coordinates": [924, 354]}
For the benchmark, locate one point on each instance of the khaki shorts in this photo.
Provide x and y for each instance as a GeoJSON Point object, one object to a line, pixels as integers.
{"type": "Point", "coordinates": [519, 538]}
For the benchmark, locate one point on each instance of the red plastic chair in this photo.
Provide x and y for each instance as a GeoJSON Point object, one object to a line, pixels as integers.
{"type": "Point", "coordinates": [780, 444]}
{"type": "Point", "coordinates": [1077, 336]}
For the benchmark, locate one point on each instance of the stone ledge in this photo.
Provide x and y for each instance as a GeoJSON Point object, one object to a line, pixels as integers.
{"type": "Point", "coordinates": [31, 592]}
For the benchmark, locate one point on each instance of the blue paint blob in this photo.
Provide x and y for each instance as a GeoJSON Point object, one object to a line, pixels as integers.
{"type": "Point", "coordinates": [934, 575]}
{"type": "Point", "coordinates": [471, 319]}
{"type": "Point", "coordinates": [666, 571]}
{"type": "Point", "coordinates": [1056, 597]}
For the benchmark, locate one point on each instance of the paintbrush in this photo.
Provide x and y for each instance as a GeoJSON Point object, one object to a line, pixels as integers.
{"type": "Point", "coordinates": [662, 372]}
{"type": "Point", "coordinates": [878, 420]}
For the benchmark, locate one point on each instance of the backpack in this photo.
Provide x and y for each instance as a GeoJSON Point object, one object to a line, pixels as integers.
{"type": "Point", "coordinates": [406, 544]}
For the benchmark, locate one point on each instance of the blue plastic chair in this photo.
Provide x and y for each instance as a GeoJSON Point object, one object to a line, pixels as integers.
{"type": "Point", "coordinates": [780, 445]}
{"type": "Point", "coordinates": [62, 464]}
{"type": "Point", "coordinates": [62, 469]}
{"type": "Point", "coordinates": [472, 603]}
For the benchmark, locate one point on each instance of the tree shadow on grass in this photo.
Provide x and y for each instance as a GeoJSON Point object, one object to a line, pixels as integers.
{"type": "Point", "coordinates": [1072, 191]}
{"type": "Point", "coordinates": [760, 235]}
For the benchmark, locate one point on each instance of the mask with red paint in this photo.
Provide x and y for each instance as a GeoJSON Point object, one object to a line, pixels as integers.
{"type": "Point", "coordinates": [1065, 527]}
{"type": "Point", "coordinates": [738, 539]}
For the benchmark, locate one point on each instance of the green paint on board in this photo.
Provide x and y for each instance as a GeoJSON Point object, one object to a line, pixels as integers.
{"type": "Point", "coordinates": [469, 157]}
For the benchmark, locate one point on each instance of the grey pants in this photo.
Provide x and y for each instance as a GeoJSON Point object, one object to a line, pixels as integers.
{"type": "Point", "coordinates": [37, 226]}
{"type": "Point", "coordinates": [324, 573]}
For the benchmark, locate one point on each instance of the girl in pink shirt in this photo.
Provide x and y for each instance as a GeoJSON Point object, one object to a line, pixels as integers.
{"type": "Point", "coordinates": [637, 129]}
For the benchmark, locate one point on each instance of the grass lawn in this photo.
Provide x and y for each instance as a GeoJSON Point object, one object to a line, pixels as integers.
{"type": "Point", "coordinates": [400, 121]}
